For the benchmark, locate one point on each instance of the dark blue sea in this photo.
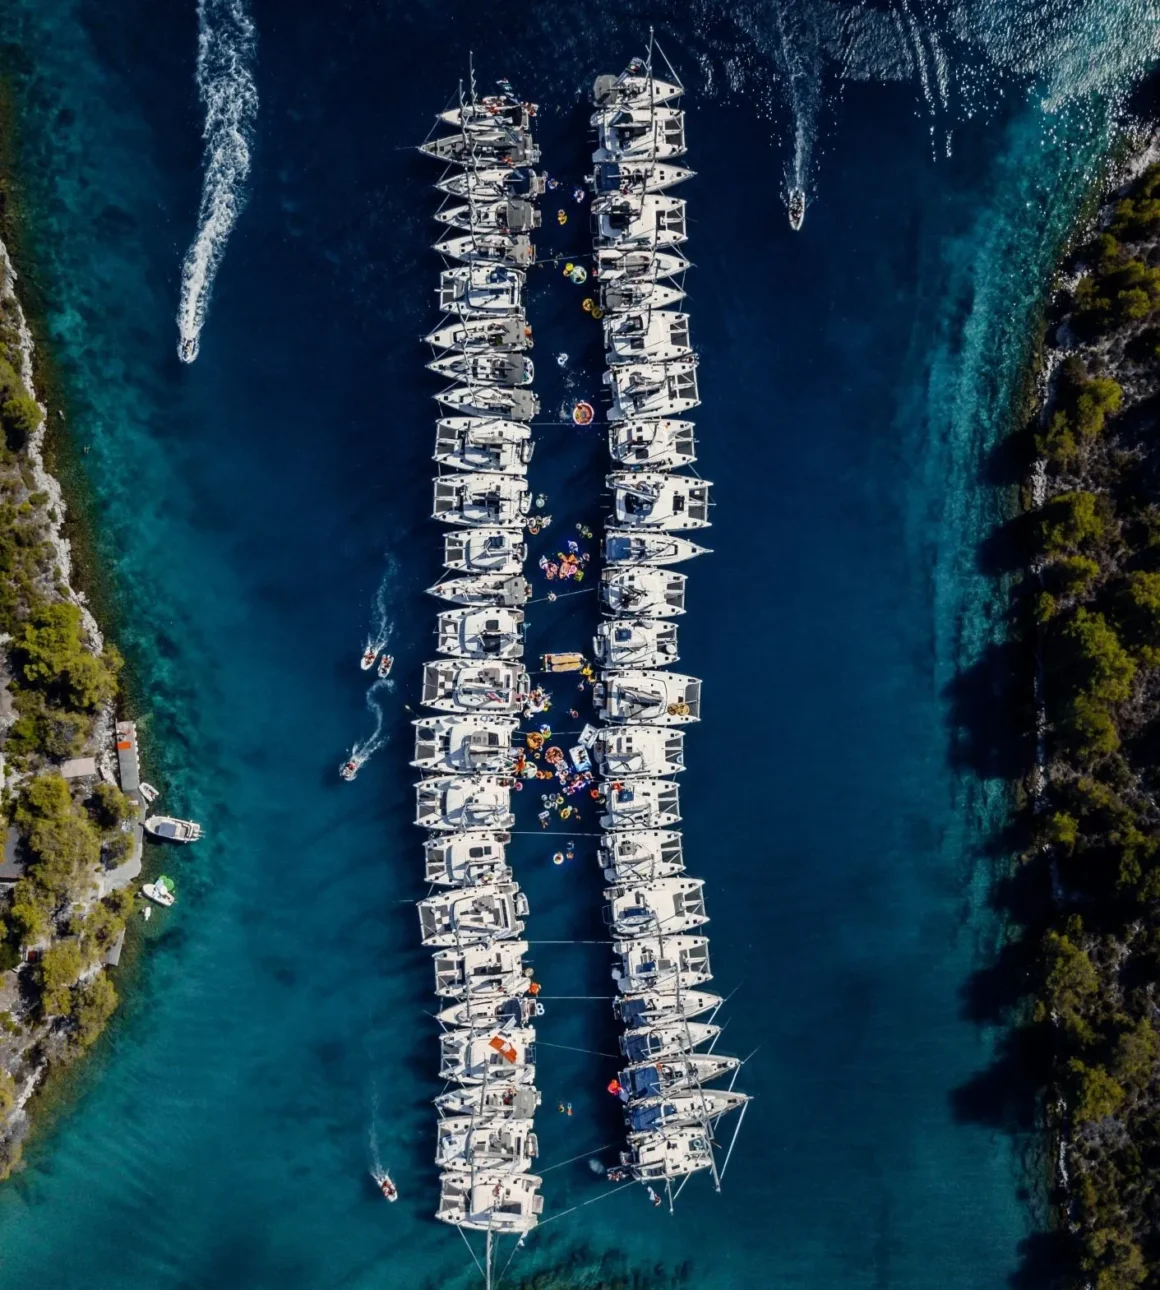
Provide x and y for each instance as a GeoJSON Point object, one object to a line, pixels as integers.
{"type": "Point", "coordinates": [258, 512]}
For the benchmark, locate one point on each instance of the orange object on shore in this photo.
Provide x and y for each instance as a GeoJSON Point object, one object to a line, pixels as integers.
{"type": "Point", "coordinates": [123, 745]}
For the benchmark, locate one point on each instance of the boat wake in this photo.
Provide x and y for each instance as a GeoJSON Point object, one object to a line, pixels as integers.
{"type": "Point", "coordinates": [226, 43]}
{"type": "Point", "coordinates": [377, 638]}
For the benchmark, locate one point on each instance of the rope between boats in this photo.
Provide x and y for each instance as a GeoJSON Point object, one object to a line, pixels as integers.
{"type": "Point", "coordinates": [593, 1201]}
{"type": "Point", "coordinates": [581, 1156]}
{"type": "Point", "coordinates": [592, 1052]}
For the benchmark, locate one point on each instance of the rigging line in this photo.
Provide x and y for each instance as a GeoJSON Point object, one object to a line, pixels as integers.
{"type": "Point", "coordinates": [470, 1251]}
{"type": "Point", "coordinates": [592, 1052]}
{"type": "Point", "coordinates": [593, 1201]}
{"type": "Point", "coordinates": [733, 1143]}
{"type": "Point", "coordinates": [540, 833]}
{"type": "Point", "coordinates": [555, 998]}
{"type": "Point", "coordinates": [559, 595]}
{"type": "Point", "coordinates": [573, 943]}
{"type": "Point", "coordinates": [573, 1159]}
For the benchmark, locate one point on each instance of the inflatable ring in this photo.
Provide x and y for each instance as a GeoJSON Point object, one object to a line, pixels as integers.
{"type": "Point", "coordinates": [597, 312]}
{"type": "Point", "coordinates": [583, 413]}
{"type": "Point", "coordinates": [558, 858]}
{"type": "Point", "coordinates": [588, 304]}
{"type": "Point", "coordinates": [578, 274]}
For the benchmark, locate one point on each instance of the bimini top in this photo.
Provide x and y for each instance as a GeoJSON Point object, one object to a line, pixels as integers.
{"type": "Point", "coordinates": [647, 337]}
{"type": "Point", "coordinates": [648, 220]}
{"type": "Point", "coordinates": [476, 971]}
{"type": "Point", "coordinates": [481, 498]}
{"type": "Point", "coordinates": [496, 446]}
{"type": "Point", "coordinates": [663, 962]}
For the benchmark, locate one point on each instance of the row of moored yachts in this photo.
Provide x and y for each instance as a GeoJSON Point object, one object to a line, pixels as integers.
{"type": "Point", "coordinates": [478, 687]}
{"type": "Point", "coordinates": [473, 917]}
{"type": "Point", "coordinates": [656, 911]}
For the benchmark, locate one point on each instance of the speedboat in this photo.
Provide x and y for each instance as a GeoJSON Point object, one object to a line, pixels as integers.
{"type": "Point", "coordinates": [647, 337]}
{"type": "Point", "coordinates": [169, 829]}
{"type": "Point", "coordinates": [661, 963]}
{"type": "Point", "coordinates": [457, 803]}
{"type": "Point", "coordinates": [485, 550]}
{"type": "Point", "coordinates": [503, 1146]}
{"type": "Point", "coordinates": [653, 908]}
{"type": "Point", "coordinates": [667, 1154]}
{"type": "Point", "coordinates": [797, 208]}
{"type": "Point", "coordinates": [505, 215]}
{"type": "Point", "coordinates": [481, 498]}
{"type": "Point", "coordinates": [626, 265]}
{"type": "Point", "coordinates": [464, 744]}
{"type": "Point", "coordinates": [384, 1184]}
{"type": "Point", "coordinates": [368, 657]}
{"type": "Point", "coordinates": [385, 664]}
{"type": "Point", "coordinates": [652, 389]}
{"type": "Point", "coordinates": [491, 1101]}
{"type": "Point", "coordinates": [648, 696]}
{"type": "Point", "coordinates": [481, 291]}
{"type": "Point", "coordinates": [496, 1203]}
{"type": "Point", "coordinates": [639, 750]}
{"type": "Point", "coordinates": [643, 591]}
{"type": "Point", "coordinates": [161, 892]}
{"type": "Point", "coordinates": [471, 443]}
{"type": "Point", "coordinates": [655, 445]}
{"type": "Point", "coordinates": [481, 633]}
{"type": "Point", "coordinates": [640, 802]}
{"type": "Point", "coordinates": [634, 87]}
{"type": "Point", "coordinates": [639, 133]}
{"type": "Point", "coordinates": [490, 401]}
{"type": "Point", "coordinates": [648, 1009]}
{"type": "Point", "coordinates": [672, 1074]}
{"type": "Point", "coordinates": [468, 1057]}
{"type": "Point", "coordinates": [648, 220]}
{"type": "Point", "coordinates": [657, 500]}
{"type": "Point", "coordinates": [489, 248]}
{"type": "Point", "coordinates": [466, 859]}
{"type": "Point", "coordinates": [482, 971]}
{"type": "Point", "coordinates": [492, 913]}
{"type": "Point", "coordinates": [623, 548]}
{"type": "Point", "coordinates": [492, 368]}
{"type": "Point", "coordinates": [349, 769]}
{"type": "Point", "coordinates": [654, 1043]}
{"type": "Point", "coordinates": [484, 589]}
{"type": "Point", "coordinates": [507, 334]}
{"type": "Point", "coordinates": [641, 855]}
{"type": "Point", "coordinates": [636, 176]}
{"type": "Point", "coordinates": [703, 1106]}
{"type": "Point", "coordinates": [457, 685]}
{"type": "Point", "coordinates": [635, 642]}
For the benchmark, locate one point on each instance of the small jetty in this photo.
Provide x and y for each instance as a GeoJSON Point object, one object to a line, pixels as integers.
{"type": "Point", "coordinates": [671, 1077]}
{"type": "Point", "coordinates": [474, 914]}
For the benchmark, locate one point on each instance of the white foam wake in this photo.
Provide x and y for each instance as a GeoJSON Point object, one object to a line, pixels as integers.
{"type": "Point", "coordinates": [226, 41]}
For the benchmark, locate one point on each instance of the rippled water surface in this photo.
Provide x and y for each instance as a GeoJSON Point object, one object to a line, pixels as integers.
{"type": "Point", "coordinates": [258, 508]}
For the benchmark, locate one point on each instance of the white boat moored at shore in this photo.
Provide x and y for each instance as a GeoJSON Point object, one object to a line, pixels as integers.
{"type": "Point", "coordinates": [169, 829]}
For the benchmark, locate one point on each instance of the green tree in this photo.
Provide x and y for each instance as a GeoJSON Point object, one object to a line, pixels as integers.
{"type": "Point", "coordinates": [7, 1092]}
{"type": "Point", "coordinates": [109, 807]}
{"type": "Point", "coordinates": [20, 416]}
{"type": "Point", "coordinates": [1071, 983]}
{"type": "Point", "coordinates": [1103, 668]}
{"type": "Point", "coordinates": [1072, 520]}
{"type": "Point", "coordinates": [52, 656]}
{"type": "Point", "coordinates": [1097, 1095]}
{"type": "Point", "coordinates": [93, 1005]}
{"type": "Point", "coordinates": [1139, 616]}
{"type": "Point", "coordinates": [1137, 1055]}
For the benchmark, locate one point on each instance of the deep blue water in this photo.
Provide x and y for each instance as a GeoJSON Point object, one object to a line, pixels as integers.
{"type": "Point", "coordinates": [253, 506]}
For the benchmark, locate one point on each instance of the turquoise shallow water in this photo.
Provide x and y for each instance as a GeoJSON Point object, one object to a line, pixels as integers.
{"type": "Point", "coordinates": [253, 508]}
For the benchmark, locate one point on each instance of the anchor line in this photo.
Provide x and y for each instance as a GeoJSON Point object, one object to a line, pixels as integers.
{"type": "Point", "coordinates": [572, 1159]}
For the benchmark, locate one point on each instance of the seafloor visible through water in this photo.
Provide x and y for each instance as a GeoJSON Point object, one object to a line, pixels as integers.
{"type": "Point", "coordinates": [844, 789]}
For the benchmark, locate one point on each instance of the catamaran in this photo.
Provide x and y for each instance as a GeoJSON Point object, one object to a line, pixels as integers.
{"type": "Point", "coordinates": [481, 971]}
{"type": "Point", "coordinates": [493, 446]}
{"type": "Point", "coordinates": [648, 220]}
{"type": "Point", "coordinates": [639, 133]}
{"type": "Point", "coordinates": [645, 695]}
{"type": "Point", "coordinates": [639, 750]}
{"type": "Point", "coordinates": [644, 389]}
{"type": "Point", "coordinates": [656, 500]}
{"type": "Point", "coordinates": [663, 962]}
{"type": "Point", "coordinates": [489, 248]}
{"type": "Point", "coordinates": [643, 591]}
{"type": "Point", "coordinates": [635, 642]}
{"type": "Point", "coordinates": [480, 633]}
{"type": "Point", "coordinates": [481, 291]}
{"type": "Point", "coordinates": [495, 1203]}
{"type": "Point", "coordinates": [458, 685]}
{"type": "Point", "coordinates": [641, 855]}
{"type": "Point", "coordinates": [489, 913]}
{"type": "Point", "coordinates": [481, 498]}
{"type": "Point", "coordinates": [640, 802]}
{"type": "Point", "coordinates": [503, 1146]}
{"type": "Point", "coordinates": [674, 904]}
{"type": "Point", "coordinates": [457, 803]}
{"type": "Point", "coordinates": [464, 744]}
{"type": "Point", "coordinates": [512, 404]}
{"type": "Point", "coordinates": [466, 859]}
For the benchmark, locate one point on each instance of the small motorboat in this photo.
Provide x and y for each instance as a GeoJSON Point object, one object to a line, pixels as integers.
{"type": "Point", "coordinates": [169, 829]}
{"type": "Point", "coordinates": [385, 664]}
{"type": "Point", "coordinates": [187, 349]}
{"type": "Point", "coordinates": [148, 792]}
{"type": "Point", "coordinates": [385, 1185]}
{"type": "Point", "coordinates": [797, 208]}
{"type": "Point", "coordinates": [162, 892]}
{"type": "Point", "coordinates": [348, 770]}
{"type": "Point", "coordinates": [368, 658]}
